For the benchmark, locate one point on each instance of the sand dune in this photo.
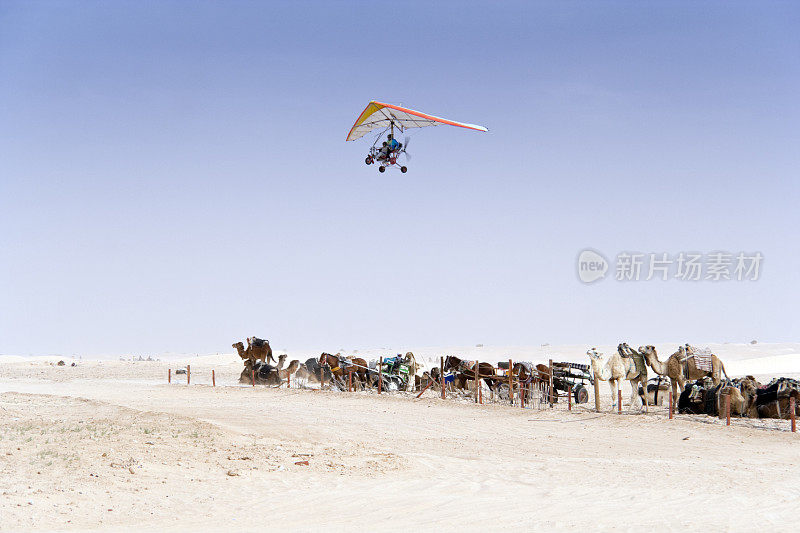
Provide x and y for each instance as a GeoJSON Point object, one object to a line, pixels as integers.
{"type": "Point", "coordinates": [109, 445]}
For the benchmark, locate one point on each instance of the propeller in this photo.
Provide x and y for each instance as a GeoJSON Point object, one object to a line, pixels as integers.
{"type": "Point", "coordinates": [405, 147]}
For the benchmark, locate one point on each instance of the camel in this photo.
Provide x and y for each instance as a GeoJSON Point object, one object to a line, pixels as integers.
{"type": "Point", "coordinates": [264, 373]}
{"type": "Point", "coordinates": [773, 399]}
{"type": "Point", "coordinates": [254, 352]}
{"type": "Point", "coordinates": [679, 369]}
{"type": "Point", "coordinates": [614, 369]}
{"type": "Point", "coordinates": [281, 361]}
{"type": "Point", "coordinates": [259, 349]}
{"type": "Point", "coordinates": [289, 370]}
{"type": "Point", "coordinates": [413, 367]}
{"type": "Point", "coordinates": [240, 349]}
{"type": "Point", "coordinates": [743, 398]}
{"type": "Point", "coordinates": [656, 391]}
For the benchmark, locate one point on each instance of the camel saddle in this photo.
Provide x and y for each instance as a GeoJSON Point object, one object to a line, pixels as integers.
{"type": "Point", "coordinates": [702, 359]}
{"type": "Point", "coordinates": [258, 343]}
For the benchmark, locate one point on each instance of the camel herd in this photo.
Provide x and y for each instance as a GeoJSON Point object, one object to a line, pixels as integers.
{"type": "Point", "coordinates": [695, 377]}
{"type": "Point", "coordinates": [257, 357]}
{"type": "Point", "coordinates": [699, 380]}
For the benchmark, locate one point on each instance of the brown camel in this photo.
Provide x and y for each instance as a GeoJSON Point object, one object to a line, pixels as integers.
{"type": "Point", "coordinates": [743, 399]}
{"type": "Point", "coordinates": [281, 361]}
{"type": "Point", "coordinates": [679, 369]}
{"type": "Point", "coordinates": [240, 349]}
{"type": "Point", "coordinates": [260, 349]}
{"type": "Point", "coordinates": [289, 370]}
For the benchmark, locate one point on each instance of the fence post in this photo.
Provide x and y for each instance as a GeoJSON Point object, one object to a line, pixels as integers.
{"type": "Point", "coordinates": [550, 364]}
{"type": "Point", "coordinates": [511, 381]}
{"type": "Point", "coordinates": [213, 378]}
{"type": "Point", "coordinates": [596, 394]}
{"type": "Point", "coordinates": [188, 373]}
{"type": "Point", "coordinates": [670, 404]}
{"type": "Point", "coordinates": [169, 375]}
{"type": "Point", "coordinates": [288, 381]}
{"type": "Point", "coordinates": [569, 395]}
{"type": "Point", "coordinates": [349, 381]}
{"type": "Point", "coordinates": [792, 409]}
{"type": "Point", "coordinates": [253, 376]}
{"type": "Point", "coordinates": [380, 374]}
{"type": "Point", "coordinates": [619, 399]}
{"type": "Point", "coordinates": [476, 374]}
{"type": "Point", "coordinates": [441, 374]}
{"type": "Point", "coordinates": [728, 409]}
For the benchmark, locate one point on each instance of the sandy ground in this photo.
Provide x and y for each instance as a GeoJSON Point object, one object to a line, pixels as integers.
{"type": "Point", "coordinates": [111, 446]}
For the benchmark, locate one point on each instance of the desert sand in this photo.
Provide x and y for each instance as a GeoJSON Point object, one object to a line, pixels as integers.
{"type": "Point", "coordinates": [109, 445]}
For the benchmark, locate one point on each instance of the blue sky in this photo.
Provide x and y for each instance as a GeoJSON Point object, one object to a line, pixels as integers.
{"type": "Point", "coordinates": [174, 175]}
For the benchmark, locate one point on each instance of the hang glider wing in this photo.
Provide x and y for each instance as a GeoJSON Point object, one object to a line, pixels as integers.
{"type": "Point", "coordinates": [378, 115]}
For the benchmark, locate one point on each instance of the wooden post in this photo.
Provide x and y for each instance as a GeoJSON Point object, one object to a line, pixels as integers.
{"type": "Point", "coordinates": [550, 364]}
{"type": "Point", "coordinates": [728, 409]}
{"type": "Point", "coordinates": [670, 404]}
{"type": "Point", "coordinates": [619, 399]}
{"type": "Point", "coordinates": [188, 373]}
{"type": "Point", "coordinates": [213, 378]}
{"type": "Point", "coordinates": [441, 374]}
{"type": "Point", "coordinates": [511, 381]}
{"type": "Point", "coordinates": [569, 395]}
{"type": "Point", "coordinates": [288, 381]}
{"type": "Point", "coordinates": [792, 409]}
{"type": "Point", "coordinates": [349, 381]}
{"type": "Point", "coordinates": [253, 376]}
{"type": "Point", "coordinates": [476, 374]}
{"type": "Point", "coordinates": [596, 394]}
{"type": "Point", "coordinates": [480, 393]}
{"type": "Point", "coordinates": [169, 375]}
{"type": "Point", "coordinates": [380, 375]}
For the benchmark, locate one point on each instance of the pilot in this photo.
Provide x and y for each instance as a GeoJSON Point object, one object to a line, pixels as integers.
{"type": "Point", "coordinates": [393, 144]}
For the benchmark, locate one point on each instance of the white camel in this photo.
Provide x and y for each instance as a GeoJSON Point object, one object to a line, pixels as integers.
{"type": "Point", "coordinates": [615, 368]}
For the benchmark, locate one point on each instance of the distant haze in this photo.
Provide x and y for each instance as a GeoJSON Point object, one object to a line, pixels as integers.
{"type": "Point", "coordinates": [174, 177]}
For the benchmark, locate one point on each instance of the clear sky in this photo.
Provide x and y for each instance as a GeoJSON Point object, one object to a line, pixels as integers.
{"type": "Point", "coordinates": [174, 175]}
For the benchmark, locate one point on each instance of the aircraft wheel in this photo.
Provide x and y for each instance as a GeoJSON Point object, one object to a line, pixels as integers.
{"type": "Point", "coordinates": [368, 160]}
{"type": "Point", "coordinates": [381, 168]}
{"type": "Point", "coordinates": [403, 170]}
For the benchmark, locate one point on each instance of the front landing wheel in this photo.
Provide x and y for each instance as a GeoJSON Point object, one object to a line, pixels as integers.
{"type": "Point", "coordinates": [381, 169]}
{"type": "Point", "coordinates": [403, 170]}
{"type": "Point", "coordinates": [368, 160]}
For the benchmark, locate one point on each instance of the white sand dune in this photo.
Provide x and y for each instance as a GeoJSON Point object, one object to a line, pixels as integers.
{"type": "Point", "coordinates": [109, 445]}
